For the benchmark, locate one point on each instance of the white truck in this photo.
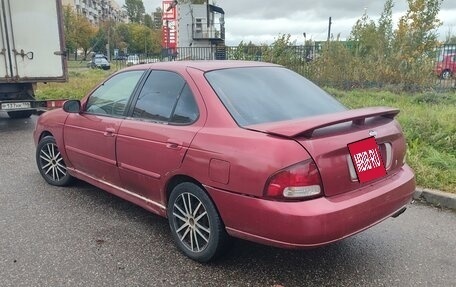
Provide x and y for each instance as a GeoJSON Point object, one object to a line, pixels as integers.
{"type": "Point", "coordinates": [32, 50]}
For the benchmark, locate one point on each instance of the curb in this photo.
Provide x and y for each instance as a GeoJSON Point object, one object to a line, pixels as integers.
{"type": "Point", "coordinates": [436, 197]}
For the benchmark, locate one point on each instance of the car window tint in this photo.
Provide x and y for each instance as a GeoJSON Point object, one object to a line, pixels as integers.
{"type": "Point", "coordinates": [186, 110]}
{"type": "Point", "coordinates": [158, 96]}
{"type": "Point", "coordinates": [257, 95]}
{"type": "Point", "coordinates": [112, 97]}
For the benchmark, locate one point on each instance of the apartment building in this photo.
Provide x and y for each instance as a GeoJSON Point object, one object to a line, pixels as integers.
{"type": "Point", "coordinates": [98, 10]}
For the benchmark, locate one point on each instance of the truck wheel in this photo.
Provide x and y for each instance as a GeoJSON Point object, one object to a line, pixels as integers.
{"type": "Point", "coordinates": [20, 114]}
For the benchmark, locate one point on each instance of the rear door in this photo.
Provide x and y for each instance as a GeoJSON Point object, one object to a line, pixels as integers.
{"type": "Point", "coordinates": [152, 142]}
{"type": "Point", "coordinates": [34, 36]}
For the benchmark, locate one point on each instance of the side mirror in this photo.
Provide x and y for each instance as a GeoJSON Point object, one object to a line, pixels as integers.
{"type": "Point", "coordinates": [72, 106]}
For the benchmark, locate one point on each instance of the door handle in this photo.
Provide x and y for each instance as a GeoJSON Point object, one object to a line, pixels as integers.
{"type": "Point", "coordinates": [109, 132]}
{"type": "Point", "coordinates": [173, 144]}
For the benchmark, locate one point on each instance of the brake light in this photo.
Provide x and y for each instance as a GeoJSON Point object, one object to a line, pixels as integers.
{"type": "Point", "coordinates": [299, 181]}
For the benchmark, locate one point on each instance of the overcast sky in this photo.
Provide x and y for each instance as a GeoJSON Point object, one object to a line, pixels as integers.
{"type": "Point", "coordinates": [260, 21]}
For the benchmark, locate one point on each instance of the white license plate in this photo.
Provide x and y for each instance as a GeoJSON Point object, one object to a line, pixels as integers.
{"type": "Point", "coordinates": [15, 106]}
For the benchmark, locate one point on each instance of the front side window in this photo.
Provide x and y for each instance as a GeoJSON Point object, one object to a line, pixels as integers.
{"type": "Point", "coordinates": [112, 96]}
{"type": "Point", "coordinates": [166, 97]}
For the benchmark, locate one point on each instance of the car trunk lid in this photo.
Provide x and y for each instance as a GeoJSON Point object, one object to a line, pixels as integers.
{"type": "Point", "coordinates": [326, 137]}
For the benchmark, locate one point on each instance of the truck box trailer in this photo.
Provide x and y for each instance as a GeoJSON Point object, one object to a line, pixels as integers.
{"type": "Point", "coordinates": [32, 50]}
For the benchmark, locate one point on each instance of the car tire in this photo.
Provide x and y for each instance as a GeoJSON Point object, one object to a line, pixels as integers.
{"type": "Point", "coordinates": [51, 164]}
{"type": "Point", "coordinates": [20, 114]}
{"type": "Point", "coordinates": [446, 75]}
{"type": "Point", "coordinates": [196, 226]}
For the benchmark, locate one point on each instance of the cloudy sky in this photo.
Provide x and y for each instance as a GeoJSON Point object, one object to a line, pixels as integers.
{"type": "Point", "coordinates": [260, 21]}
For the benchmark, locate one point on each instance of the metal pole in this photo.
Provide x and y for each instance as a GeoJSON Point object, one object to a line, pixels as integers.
{"type": "Point", "coordinates": [329, 29]}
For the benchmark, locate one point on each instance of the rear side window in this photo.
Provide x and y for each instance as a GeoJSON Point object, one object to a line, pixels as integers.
{"type": "Point", "coordinates": [186, 110]}
{"type": "Point", "coordinates": [166, 97]}
{"type": "Point", "coordinates": [256, 95]}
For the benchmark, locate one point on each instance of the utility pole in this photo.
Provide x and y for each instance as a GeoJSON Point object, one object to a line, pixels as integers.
{"type": "Point", "coordinates": [329, 29]}
{"type": "Point", "coordinates": [108, 45]}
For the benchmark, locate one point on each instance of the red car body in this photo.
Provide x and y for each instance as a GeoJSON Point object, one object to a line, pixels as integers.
{"type": "Point", "coordinates": [142, 161]}
{"type": "Point", "coordinates": [446, 67]}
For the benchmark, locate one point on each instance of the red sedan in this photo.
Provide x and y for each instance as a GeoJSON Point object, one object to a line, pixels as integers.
{"type": "Point", "coordinates": [244, 149]}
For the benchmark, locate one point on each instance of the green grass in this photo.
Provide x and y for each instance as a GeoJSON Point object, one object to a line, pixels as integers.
{"type": "Point", "coordinates": [428, 121]}
{"type": "Point", "coordinates": [80, 82]}
{"type": "Point", "coordinates": [429, 124]}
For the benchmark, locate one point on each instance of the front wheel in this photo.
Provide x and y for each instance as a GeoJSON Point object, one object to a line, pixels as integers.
{"type": "Point", "coordinates": [50, 163]}
{"type": "Point", "coordinates": [195, 224]}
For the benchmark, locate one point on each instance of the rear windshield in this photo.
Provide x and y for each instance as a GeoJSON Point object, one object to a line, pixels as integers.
{"type": "Point", "coordinates": [256, 95]}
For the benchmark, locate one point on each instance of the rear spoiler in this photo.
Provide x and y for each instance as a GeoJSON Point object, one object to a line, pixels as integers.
{"type": "Point", "coordinates": [305, 127]}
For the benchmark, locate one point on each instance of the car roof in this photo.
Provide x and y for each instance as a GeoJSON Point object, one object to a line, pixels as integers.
{"type": "Point", "coordinates": [204, 66]}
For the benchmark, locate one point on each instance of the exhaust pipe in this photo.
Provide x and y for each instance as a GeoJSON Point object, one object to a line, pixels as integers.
{"type": "Point", "coordinates": [399, 212]}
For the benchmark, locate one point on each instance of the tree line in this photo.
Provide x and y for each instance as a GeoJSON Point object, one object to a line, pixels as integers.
{"type": "Point", "coordinates": [138, 36]}
{"type": "Point", "coordinates": [376, 54]}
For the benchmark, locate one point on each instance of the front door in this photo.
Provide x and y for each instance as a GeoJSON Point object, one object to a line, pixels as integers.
{"type": "Point", "coordinates": [90, 136]}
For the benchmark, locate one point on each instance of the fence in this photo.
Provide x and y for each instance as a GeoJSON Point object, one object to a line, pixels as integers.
{"type": "Point", "coordinates": [337, 64]}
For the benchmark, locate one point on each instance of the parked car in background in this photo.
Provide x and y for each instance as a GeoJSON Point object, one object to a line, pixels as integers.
{"type": "Point", "coordinates": [230, 148]}
{"type": "Point", "coordinates": [100, 63]}
{"type": "Point", "coordinates": [446, 66]}
{"type": "Point", "coordinates": [95, 56]}
{"type": "Point", "coordinates": [132, 60]}
{"type": "Point", "coordinates": [120, 58]}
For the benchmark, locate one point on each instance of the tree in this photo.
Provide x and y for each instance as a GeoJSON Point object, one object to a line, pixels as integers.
{"type": "Point", "coordinates": [365, 34]}
{"type": "Point", "coordinates": [137, 38]}
{"type": "Point", "coordinates": [385, 23]}
{"type": "Point", "coordinates": [148, 21]}
{"type": "Point", "coordinates": [451, 40]}
{"type": "Point", "coordinates": [416, 33]}
{"type": "Point", "coordinates": [450, 37]}
{"type": "Point", "coordinates": [85, 32]}
{"type": "Point", "coordinates": [135, 10]}
{"type": "Point", "coordinates": [69, 18]}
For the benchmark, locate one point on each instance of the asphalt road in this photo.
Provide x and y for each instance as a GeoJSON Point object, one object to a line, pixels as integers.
{"type": "Point", "coordinates": [82, 236]}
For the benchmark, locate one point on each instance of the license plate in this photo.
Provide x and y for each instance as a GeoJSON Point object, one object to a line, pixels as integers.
{"type": "Point", "coordinates": [16, 106]}
{"type": "Point", "coordinates": [367, 160]}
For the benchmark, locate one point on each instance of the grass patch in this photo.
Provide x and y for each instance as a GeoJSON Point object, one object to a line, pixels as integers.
{"type": "Point", "coordinates": [77, 64]}
{"type": "Point", "coordinates": [429, 124]}
{"type": "Point", "coordinates": [81, 81]}
{"type": "Point", "coordinates": [428, 121]}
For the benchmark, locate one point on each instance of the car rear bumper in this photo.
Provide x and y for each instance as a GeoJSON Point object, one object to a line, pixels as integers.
{"type": "Point", "coordinates": [314, 222]}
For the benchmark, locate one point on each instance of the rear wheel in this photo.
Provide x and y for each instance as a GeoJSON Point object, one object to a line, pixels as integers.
{"type": "Point", "coordinates": [50, 163]}
{"type": "Point", "coordinates": [446, 74]}
{"type": "Point", "coordinates": [195, 224]}
{"type": "Point", "coordinates": [20, 114]}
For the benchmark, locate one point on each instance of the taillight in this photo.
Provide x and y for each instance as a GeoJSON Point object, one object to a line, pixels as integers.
{"type": "Point", "coordinates": [299, 181]}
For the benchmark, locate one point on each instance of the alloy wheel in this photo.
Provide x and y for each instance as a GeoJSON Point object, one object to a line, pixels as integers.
{"type": "Point", "coordinates": [51, 163]}
{"type": "Point", "coordinates": [191, 222]}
